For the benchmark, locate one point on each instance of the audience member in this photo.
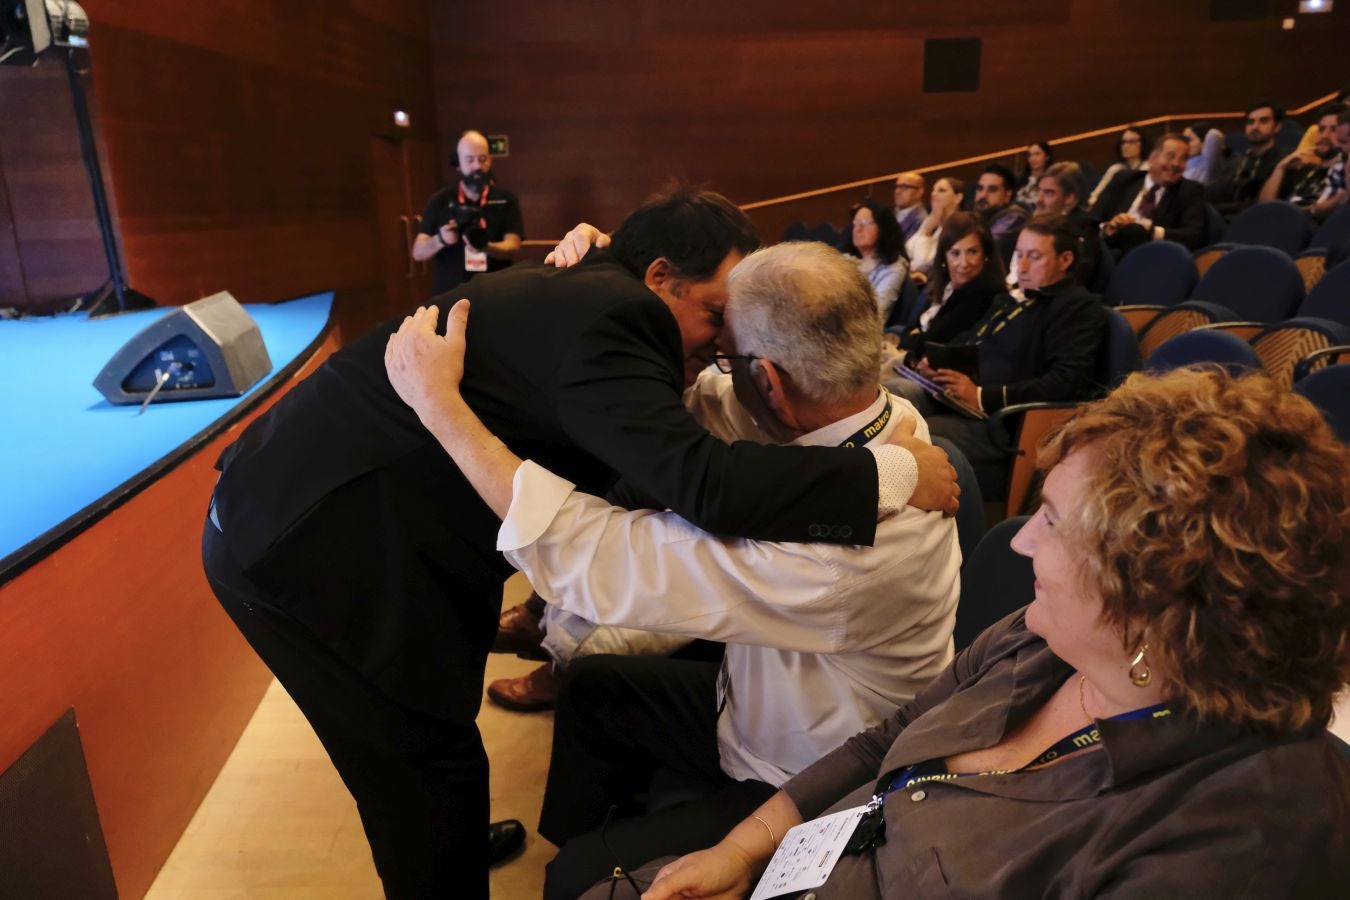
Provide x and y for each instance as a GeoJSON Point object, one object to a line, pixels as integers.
{"type": "Point", "coordinates": [1154, 723]}
{"type": "Point", "coordinates": [1060, 195]}
{"type": "Point", "coordinates": [948, 196]}
{"type": "Point", "coordinates": [472, 227]}
{"type": "Point", "coordinates": [1129, 156]}
{"type": "Point", "coordinates": [1309, 139]}
{"type": "Point", "coordinates": [1301, 177]}
{"type": "Point", "coordinates": [1337, 195]}
{"type": "Point", "coordinates": [876, 241]}
{"type": "Point", "coordinates": [909, 196]}
{"type": "Point", "coordinates": [967, 277]}
{"type": "Point", "coordinates": [994, 201]}
{"type": "Point", "coordinates": [1039, 158]}
{"type": "Point", "coordinates": [382, 644]}
{"type": "Point", "coordinates": [1207, 150]}
{"type": "Point", "coordinates": [1153, 205]}
{"type": "Point", "coordinates": [820, 643]}
{"type": "Point", "coordinates": [1040, 342]}
{"type": "Point", "coordinates": [1236, 187]}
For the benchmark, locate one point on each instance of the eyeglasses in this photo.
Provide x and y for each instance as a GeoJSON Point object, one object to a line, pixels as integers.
{"type": "Point", "coordinates": [724, 361]}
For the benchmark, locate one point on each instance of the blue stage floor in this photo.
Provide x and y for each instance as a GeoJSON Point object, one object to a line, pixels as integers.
{"type": "Point", "coordinates": [63, 447]}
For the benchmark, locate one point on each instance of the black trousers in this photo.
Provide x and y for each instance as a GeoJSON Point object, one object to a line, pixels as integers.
{"type": "Point", "coordinates": [618, 721]}
{"type": "Point", "coordinates": [420, 782]}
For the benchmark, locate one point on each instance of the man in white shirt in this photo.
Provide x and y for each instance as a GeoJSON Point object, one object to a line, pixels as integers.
{"type": "Point", "coordinates": [822, 641]}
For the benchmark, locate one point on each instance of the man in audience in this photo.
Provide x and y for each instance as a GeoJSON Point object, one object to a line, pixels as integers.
{"type": "Point", "coordinates": [1061, 190]}
{"type": "Point", "coordinates": [1301, 177]}
{"type": "Point", "coordinates": [472, 227]}
{"type": "Point", "coordinates": [1040, 342]}
{"type": "Point", "coordinates": [994, 194]}
{"type": "Point", "coordinates": [361, 566]}
{"type": "Point", "coordinates": [821, 642]}
{"type": "Point", "coordinates": [1238, 185]}
{"type": "Point", "coordinates": [1138, 207]}
{"type": "Point", "coordinates": [909, 209]}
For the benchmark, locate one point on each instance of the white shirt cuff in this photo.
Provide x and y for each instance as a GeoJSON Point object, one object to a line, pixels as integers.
{"type": "Point", "coordinates": [536, 496]}
{"type": "Point", "coordinates": [897, 477]}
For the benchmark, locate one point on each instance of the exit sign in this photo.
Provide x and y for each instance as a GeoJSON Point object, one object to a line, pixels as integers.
{"type": "Point", "coordinates": [499, 145]}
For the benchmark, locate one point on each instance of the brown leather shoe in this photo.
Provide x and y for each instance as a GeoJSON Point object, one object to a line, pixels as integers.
{"type": "Point", "coordinates": [518, 632]}
{"type": "Point", "coordinates": [528, 693]}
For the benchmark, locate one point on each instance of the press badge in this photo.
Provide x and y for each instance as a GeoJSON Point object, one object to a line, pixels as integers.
{"type": "Point", "coordinates": [474, 260]}
{"type": "Point", "coordinates": [808, 854]}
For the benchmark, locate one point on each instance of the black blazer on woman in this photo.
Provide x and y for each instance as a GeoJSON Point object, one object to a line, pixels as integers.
{"type": "Point", "coordinates": [966, 306]}
{"type": "Point", "coordinates": [352, 518]}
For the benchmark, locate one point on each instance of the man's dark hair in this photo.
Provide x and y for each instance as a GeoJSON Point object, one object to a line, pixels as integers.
{"type": "Point", "coordinates": [1262, 104]}
{"type": "Point", "coordinates": [693, 230]}
{"type": "Point", "coordinates": [1058, 229]}
{"type": "Point", "coordinates": [1330, 109]}
{"type": "Point", "coordinates": [1003, 172]}
{"type": "Point", "coordinates": [1170, 136]}
{"type": "Point", "coordinates": [1069, 177]}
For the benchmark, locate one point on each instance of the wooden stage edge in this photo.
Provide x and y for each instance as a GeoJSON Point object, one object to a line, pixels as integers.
{"type": "Point", "coordinates": [120, 624]}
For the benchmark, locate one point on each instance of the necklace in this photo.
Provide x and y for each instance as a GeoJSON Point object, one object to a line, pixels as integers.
{"type": "Point", "coordinates": [1082, 680]}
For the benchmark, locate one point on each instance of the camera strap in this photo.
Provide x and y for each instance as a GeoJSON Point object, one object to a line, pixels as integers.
{"type": "Point", "coordinates": [482, 202]}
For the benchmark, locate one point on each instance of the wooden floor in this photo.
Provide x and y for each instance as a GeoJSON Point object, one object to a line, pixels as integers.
{"type": "Point", "coordinates": [278, 822]}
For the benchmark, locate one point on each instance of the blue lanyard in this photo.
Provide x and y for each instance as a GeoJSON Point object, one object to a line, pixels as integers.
{"type": "Point", "coordinates": [871, 429]}
{"type": "Point", "coordinates": [870, 831]}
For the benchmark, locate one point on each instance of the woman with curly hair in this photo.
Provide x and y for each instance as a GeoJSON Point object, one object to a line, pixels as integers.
{"type": "Point", "coordinates": [875, 238]}
{"type": "Point", "coordinates": [1154, 722]}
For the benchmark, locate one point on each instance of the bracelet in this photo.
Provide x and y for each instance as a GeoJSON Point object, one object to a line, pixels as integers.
{"type": "Point", "coordinates": [773, 839]}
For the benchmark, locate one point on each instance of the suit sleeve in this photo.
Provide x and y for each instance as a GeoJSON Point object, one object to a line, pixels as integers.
{"type": "Point", "coordinates": [619, 399]}
{"type": "Point", "coordinates": [1073, 342]}
{"type": "Point", "coordinates": [1190, 226]}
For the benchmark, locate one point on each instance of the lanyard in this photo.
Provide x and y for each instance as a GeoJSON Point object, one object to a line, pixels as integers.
{"type": "Point", "coordinates": [871, 429]}
{"type": "Point", "coordinates": [871, 829]}
{"type": "Point", "coordinates": [482, 202]}
{"type": "Point", "coordinates": [999, 322]}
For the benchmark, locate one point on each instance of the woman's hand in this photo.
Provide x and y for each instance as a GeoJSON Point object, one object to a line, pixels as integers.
{"type": "Point", "coordinates": [576, 244]}
{"type": "Point", "coordinates": [424, 368]}
{"type": "Point", "coordinates": [958, 385]}
{"type": "Point", "coordinates": [722, 872]}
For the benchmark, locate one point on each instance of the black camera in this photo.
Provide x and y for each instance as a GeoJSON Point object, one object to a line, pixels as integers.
{"type": "Point", "coordinates": [468, 220]}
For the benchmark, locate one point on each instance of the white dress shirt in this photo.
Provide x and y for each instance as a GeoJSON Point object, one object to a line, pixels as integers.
{"type": "Point", "coordinates": [823, 640]}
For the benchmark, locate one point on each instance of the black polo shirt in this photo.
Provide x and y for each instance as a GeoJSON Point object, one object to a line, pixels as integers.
{"type": "Point", "coordinates": [502, 214]}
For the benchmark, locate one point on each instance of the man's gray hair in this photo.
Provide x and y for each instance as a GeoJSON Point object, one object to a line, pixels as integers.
{"type": "Point", "coordinates": [808, 309]}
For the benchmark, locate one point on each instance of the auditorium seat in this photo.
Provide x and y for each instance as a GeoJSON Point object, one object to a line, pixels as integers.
{"type": "Point", "coordinates": [1259, 284]}
{"type": "Point", "coordinates": [1203, 346]}
{"type": "Point", "coordinates": [1283, 345]}
{"type": "Point", "coordinates": [797, 231]}
{"type": "Point", "coordinates": [1329, 390]}
{"type": "Point", "coordinates": [1330, 297]}
{"type": "Point", "coordinates": [1151, 278]}
{"type": "Point", "coordinates": [1179, 319]}
{"type": "Point", "coordinates": [995, 581]}
{"type": "Point", "coordinates": [1278, 223]}
{"type": "Point", "coordinates": [1334, 232]}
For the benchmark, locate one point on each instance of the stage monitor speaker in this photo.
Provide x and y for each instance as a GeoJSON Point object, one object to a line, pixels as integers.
{"type": "Point", "coordinates": [951, 65]}
{"type": "Point", "coordinates": [210, 348]}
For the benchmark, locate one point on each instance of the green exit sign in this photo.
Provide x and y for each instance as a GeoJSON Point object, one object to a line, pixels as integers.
{"type": "Point", "coordinates": [499, 145]}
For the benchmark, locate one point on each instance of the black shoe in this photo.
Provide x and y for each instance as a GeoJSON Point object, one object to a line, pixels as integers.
{"type": "Point", "coordinates": [505, 838]}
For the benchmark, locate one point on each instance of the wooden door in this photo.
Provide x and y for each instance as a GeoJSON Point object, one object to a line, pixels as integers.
{"type": "Point", "coordinates": [405, 176]}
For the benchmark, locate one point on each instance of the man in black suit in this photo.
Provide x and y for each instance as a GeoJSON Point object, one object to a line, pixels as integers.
{"type": "Point", "coordinates": [1137, 207]}
{"type": "Point", "coordinates": [362, 567]}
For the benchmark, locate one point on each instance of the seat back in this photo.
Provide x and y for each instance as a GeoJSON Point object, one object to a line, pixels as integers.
{"type": "Point", "coordinates": [826, 233]}
{"type": "Point", "coordinates": [1312, 265]}
{"type": "Point", "coordinates": [995, 581]}
{"type": "Point", "coordinates": [1193, 347]}
{"type": "Point", "coordinates": [905, 307]}
{"type": "Point", "coordinates": [1278, 223]}
{"type": "Point", "coordinates": [1334, 231]}
{"type": "Point", "coordinates": [1329, 391]}
{"type": "Point", "coordinates": [1023, 475]}
{"type": "Point", "coordinates": [1282, 345]}
{"type": "Point", "coordinates": [1206, 258]}
{"type": "Point", "coordinates": [1121, 356]}
{"type": "Point", "coordinates": [1214, 226]}
{"type": "Point", "coordinates": [1182, 318]}
{"type": "Point", "coordinates": [1330, 297]}
{"type": "Point", "coordinates": [1159, 272]}
{"type": "Point", "coordinates": [1259, 284]}
{"type": "Point", "coordinates": [970, 516]}
{"type": "Point", "coordinates": [797, 231]}
{"type": "Point", "coordinates": [1106, 267]}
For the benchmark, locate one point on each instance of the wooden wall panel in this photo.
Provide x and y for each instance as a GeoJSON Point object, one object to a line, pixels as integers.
{"type": "Point", "coordinates": [761, 99]}
{"type": "Point", "coordinates": [236, 139]}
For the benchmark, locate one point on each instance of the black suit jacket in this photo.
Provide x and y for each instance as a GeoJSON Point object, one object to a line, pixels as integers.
{"type": "Point", "coordinates": [1181, 212]}
{"type": "Point", "coordinates": [354, 521]}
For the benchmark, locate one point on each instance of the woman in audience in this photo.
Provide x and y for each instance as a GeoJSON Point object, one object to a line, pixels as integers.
{"type": "Point", "coordinates": [1129, 156]}
{"type": "Point", "coordinates": [967, 276]}
{"type": "Point", "coordinates": [1207, 149]}
{"type": "Point", "coordinates": [878, 243]}
{"type": "Point", "coordinates": [1154, 723]}
{"type": "Point", "coordinates": [947, 196]}
{"type": "Point", "coordinates": [1039, 158]}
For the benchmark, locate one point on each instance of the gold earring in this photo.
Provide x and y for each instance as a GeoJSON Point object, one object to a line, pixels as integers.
{"type": "Point", "coordinates": [1140, 673]}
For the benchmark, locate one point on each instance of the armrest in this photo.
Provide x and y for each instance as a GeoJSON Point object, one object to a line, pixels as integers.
{"type": "Point", "coordinates": [1305, 365]}
{"type": "Point", "coordinates": [1003, 422]}
{"type": "Point", "coordinates": [1139, 314]}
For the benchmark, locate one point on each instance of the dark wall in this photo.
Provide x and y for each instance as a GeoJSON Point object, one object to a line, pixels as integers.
{"type": "Point", "coordinates": [238, 138]}
{"type": "Point", "coordinates": [763, 98]}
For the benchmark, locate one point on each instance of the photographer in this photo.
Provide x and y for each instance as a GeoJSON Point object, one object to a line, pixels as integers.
{"type": "Point", "coordinates": [472, 227]}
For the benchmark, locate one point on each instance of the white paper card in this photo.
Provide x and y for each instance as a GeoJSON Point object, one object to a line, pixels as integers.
{"type": "Point", "coordinates": [808, 854]}
{"type": "Point", "coordinates": [474, 260]}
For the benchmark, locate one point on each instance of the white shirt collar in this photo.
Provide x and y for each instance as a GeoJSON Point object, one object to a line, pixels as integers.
{"type": "Point", "coordinates": [834, 433]}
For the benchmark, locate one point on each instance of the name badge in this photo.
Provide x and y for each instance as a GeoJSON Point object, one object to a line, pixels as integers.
{"type": "Point", "coordinates": [474, 260]}
{"type": "Point", "coordinates": [808, 854]}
